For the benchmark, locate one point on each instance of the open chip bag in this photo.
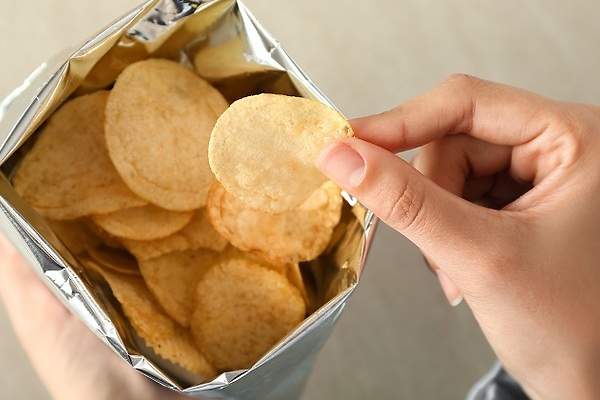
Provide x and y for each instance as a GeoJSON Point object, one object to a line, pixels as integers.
{"type": "Point", "coordinates": [169, 243]}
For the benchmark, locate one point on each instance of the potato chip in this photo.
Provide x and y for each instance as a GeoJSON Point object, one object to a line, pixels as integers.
{"type": "Point", "coordinates": [263, 149]}
{"type": "Point", "coordinates": [114, 260]}
{"type": "Point", "coordinates": [68, 174]}
{"type": "Point", "coordinates": [173, 279]}
{"type": "Point", "coordinates": [143, 223]}
{"type": "Point", "coordinates": [75, 235]}
{"type": "Point", "coordinates": [158, 331]}
{"type": "Point", "coordinates": [243, 309]}
{"type": "Point", "coordinates": [199, 233]}
{"type": "Point", "coordinates": [285, 238]}
{"type": "Point", "coordinates": [159, 118]}
{"type": "Point", "coordinates": [290, 271]}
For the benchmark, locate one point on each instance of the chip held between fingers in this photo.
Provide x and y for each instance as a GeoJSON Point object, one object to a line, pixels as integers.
{"type": "Point", "coordinates": [263, 149]}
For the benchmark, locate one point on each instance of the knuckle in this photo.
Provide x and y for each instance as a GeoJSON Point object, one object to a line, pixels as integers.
{"type": "Point", "coordinates": [572, 147]}
{"type": "Point", "coordinates": [464, 89]}
{"type": "Point", "coordinates": [560, 119]}
{"type": "Point", "coordinates": [566, 133]}
{"type": "Point", "coordinates": [404, 207]}
{"type": "Point", "coordinates": [462, 81]}
{"type": "Point", "coordinates": [560, 134]}
{"type": "Point", "coordinates": [395, 115]}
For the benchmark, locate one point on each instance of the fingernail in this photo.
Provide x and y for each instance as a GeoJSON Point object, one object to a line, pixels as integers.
{"type": "Point", "coordinates": [456, 301]}
{"type": "Point", "coordinates": [452, 294]}
{"type": "Point", "coordinates": [342, 164]}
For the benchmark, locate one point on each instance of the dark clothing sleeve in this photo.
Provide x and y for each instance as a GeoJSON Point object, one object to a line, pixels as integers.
{"type": "Point", "coordinates": [497, 385]}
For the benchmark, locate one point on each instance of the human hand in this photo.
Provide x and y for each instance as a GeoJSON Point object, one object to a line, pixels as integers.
{"type": "Point", "coordinates": [503, 200]}
{"type": "Point", "coordinates": [71, 362]}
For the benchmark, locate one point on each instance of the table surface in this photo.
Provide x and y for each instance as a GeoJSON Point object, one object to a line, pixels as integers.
{"type": "Point", "coordinates": [398, 338]}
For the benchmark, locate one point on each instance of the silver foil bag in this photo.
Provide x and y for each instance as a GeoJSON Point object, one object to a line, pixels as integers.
{"type": "Point", "coordinates": [228, 47]}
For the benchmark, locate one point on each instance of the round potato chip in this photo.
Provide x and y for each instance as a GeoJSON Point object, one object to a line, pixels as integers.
{"type": "Point", "coordinates": [143, 223]}
{"type": "Point", "coordinates": [67, 173]}
{"type": "Point", "coordinates": [285, 238]}
{"type": "Point", "coordinates": [198, 234]}
{"type": "Point", "coordinates": [291, 271]}
{"type": "Point", "coordinates": [263, 149]}
{"type": "Point", "coordinates": [159, 118]}
{"type": "Point", "coordinates": [243, 309]}
{"type": "Point", "coordinates": [173, 279]}
{"type": "Point", "coordinates": [158, 331]}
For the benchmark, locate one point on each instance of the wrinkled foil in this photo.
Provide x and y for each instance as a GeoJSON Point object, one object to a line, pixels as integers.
{"type": "Point", "coordinates": [229, 48]}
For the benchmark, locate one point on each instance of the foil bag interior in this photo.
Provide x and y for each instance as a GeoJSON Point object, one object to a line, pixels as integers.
{"type": "Point", "coordinates": [239, 57]}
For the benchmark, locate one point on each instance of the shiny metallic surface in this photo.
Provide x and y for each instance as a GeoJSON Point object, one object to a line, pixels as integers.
{"type": "Point", "coordinates": [248, 61]}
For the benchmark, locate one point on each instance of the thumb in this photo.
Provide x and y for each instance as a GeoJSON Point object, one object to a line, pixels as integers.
{"type": "Point", "coordinates": [450, 230]}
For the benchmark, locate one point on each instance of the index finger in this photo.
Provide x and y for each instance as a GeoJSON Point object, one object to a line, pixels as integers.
{"type": "Point", "coordinates": [492, 112]}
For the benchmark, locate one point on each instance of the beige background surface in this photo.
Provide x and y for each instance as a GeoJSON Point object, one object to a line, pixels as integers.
{"type": "Point", "coordinates": [398, 338]}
